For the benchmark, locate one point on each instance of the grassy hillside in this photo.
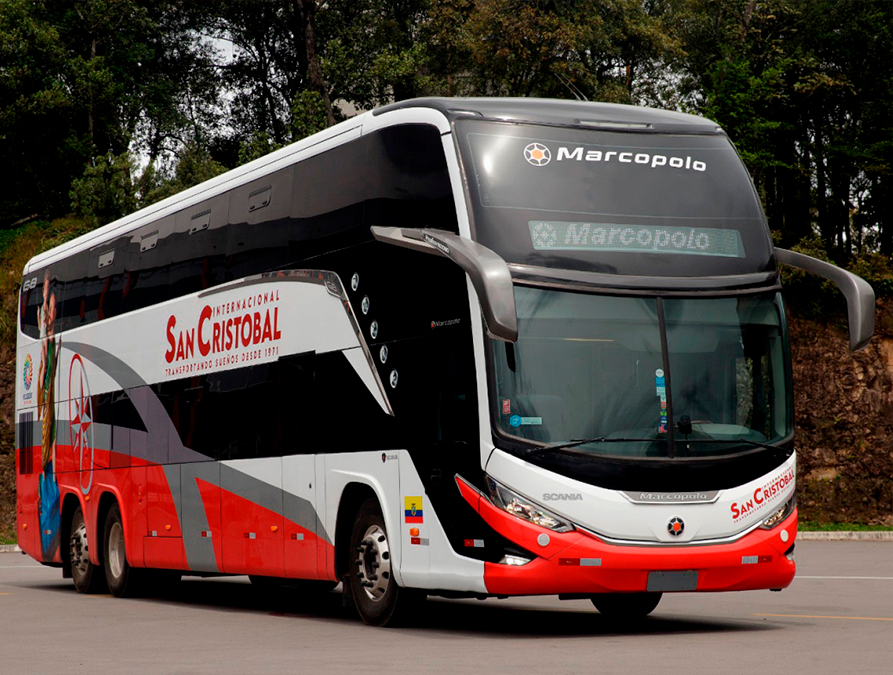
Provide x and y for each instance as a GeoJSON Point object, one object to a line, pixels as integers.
{"type": "Point", "coordinates": [16, 248]}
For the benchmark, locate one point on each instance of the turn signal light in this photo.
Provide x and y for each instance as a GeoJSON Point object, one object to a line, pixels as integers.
{"type": "Point", "coordinates": [413, 532]}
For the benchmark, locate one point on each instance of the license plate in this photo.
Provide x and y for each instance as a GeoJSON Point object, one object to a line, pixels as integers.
{"type": "Point", "coordinates": [667, 582]}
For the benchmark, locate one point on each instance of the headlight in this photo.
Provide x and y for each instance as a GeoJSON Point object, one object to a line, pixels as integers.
{"type": "Point", "coordinates": [786, 509]}
{"type": "Point", "coordinates": [524, 508]}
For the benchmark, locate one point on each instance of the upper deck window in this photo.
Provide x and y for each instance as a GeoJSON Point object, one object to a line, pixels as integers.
{"type": "Point", "coordinates": [613, 201]}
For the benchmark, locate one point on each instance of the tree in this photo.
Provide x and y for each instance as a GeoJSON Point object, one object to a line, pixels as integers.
{"type": "Point", "coordinates": [82, 82]}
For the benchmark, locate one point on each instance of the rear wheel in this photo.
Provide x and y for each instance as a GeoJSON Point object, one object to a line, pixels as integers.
{"type": "Point", "coordinates": [87, 577]}
{"type": "Point", "coordinates": [379, 600]}
{"type": "Point", "coordinates": [123, 580]}
{"type": "Point", "coordinates": [626, 605]}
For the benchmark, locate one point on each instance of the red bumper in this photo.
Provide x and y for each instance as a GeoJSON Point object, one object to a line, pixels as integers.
{"type": "Point", "coordinates": [577, 562]}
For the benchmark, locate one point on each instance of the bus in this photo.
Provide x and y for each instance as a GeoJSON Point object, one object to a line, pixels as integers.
{"type": "Point", "coordinates": [457, 347]}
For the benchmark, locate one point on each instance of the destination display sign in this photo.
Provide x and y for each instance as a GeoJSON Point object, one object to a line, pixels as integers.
{"type": "Point", "coordinates": [550, 235]}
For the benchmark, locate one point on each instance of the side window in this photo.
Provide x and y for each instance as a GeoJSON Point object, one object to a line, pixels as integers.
{"type": "Point", "coordinates": [30, 299]}
{"type": "Point", "coordinates": [297, 398]}
{"type": "Point", "coordinates": [259, 227]}
{"type": "Point", "coordinates": [409, 184]}
{"type": "Point", "coordinates": [328, 203]}
{"type": "Point", "coordinates": [146, 270]}
{"type": "Point", "coordinates": [72, 305]}
{"type": "Point", "coordinates": [107, 264]}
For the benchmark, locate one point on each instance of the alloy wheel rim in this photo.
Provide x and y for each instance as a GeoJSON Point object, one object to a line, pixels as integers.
{"type": "Point", "coordinates": [80, 558]}
{"type": "Point", "coordinates": [116, 550]}
{"type": "Point", "coordinates": [374, 563]}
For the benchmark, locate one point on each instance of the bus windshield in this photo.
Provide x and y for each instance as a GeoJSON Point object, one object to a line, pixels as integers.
{"type": "Point", "coordinates": [594, 367]}
{"type": "Point", "coordinates": [613, 202]}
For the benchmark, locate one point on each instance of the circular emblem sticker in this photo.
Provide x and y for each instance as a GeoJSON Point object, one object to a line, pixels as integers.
{"type": "Point", "coordinates": [80, 414]}
{"type": "Point", "coordinates": [28, 372]}
{"type": "Point", "coordinates": [537, 154]}
{"type": "Point", "coordinates": [675, 526]}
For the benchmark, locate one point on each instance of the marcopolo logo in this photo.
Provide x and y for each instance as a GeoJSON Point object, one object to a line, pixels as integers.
{"type": "Point", "coordinates": [557, 235]}
{"type": "Point", "coordinates": [537, 154]}
{"type": "Point", "coordinates": [540, 155]}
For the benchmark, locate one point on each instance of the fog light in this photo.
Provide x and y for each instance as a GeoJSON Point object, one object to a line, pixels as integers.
{"type": "Point", "coordinates": [514, 560]}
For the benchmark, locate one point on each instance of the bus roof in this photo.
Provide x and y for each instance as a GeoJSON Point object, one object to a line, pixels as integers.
{"type": "Point", "coordinates": [562, 112]}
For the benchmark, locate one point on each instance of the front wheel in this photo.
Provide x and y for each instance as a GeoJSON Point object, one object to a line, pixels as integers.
{"type": "Point", "coordinates": [626, 605]}
{"type": "Point", "coordinates": [123, 580]}
{"type": "Point", "coordinates": [87, 577]}
{"type": "Point", "coordinates": [379, 600]}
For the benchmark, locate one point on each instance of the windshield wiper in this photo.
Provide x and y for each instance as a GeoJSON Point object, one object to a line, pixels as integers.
{"type": "Point", "coordinates": [731, 440]}
{"type": "Point", "coordinates": [582, 441]}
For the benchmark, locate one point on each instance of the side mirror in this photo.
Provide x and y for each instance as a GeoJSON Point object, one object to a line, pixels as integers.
{"type": "Point", "coordinates": [489, 273]}
{"type": "Point", "coordinates": [859, 295]}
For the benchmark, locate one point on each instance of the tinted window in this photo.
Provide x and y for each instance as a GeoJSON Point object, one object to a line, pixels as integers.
{"type": "Point", "coordinates": [614, 202]}
{"type": "Point", "coordinates": [410, 183]}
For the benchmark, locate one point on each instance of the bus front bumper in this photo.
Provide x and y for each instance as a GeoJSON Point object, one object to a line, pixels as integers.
{"type": "Point", "coordinates": [578, 562]}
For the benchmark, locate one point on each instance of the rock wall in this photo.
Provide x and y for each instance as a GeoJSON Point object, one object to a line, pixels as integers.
{"type": "Point", "coordinates": [844, 422]}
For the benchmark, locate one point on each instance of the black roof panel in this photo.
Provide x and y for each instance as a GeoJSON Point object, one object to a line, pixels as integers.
{"type": "Point", "coordinates": [563, 112]}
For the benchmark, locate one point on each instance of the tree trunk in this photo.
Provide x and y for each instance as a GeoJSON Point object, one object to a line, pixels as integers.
{"type": "Point", "coordinates": [314, 71]}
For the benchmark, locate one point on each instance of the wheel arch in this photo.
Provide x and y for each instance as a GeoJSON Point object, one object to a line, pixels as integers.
{"type": "Point", "coordinates": [107, 499]}
{"type": "Point", "coordinates": [353, 497]}
{"type": "Point", "coordinates": [70, 504]}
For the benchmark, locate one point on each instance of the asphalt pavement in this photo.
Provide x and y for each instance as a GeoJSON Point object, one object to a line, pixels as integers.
{"type": "Point", "coordinates": [837, 617]}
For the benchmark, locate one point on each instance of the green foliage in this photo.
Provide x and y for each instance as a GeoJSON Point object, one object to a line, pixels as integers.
{"type": "Point", "coordinates": [194, 165]}
{"type": "Point", "coordinates": [308, 115]}
{"type": "Point", "coordinates": [106, 191]}
{"type": "Point", "coordinates": [17, 247]}
{"type": "Point", "coordinates": [81, 81]}
{"type": "Point", "coordinates": [258, 145]}
{"type": "Point", "coordinates": [800, 86]}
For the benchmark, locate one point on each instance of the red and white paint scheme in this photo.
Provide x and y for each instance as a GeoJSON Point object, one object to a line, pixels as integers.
{"type": "Point", "coordinates": [408, 355]}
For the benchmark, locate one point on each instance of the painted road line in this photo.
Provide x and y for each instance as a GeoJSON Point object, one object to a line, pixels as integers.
{"type": "Point", "coordinates": [822, 616]}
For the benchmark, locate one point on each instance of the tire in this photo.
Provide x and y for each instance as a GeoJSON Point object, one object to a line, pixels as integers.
{"type": "Point", "coordinates": [626, 606]}
{"type": "Point", "coordinates": [123, 580]}
{"type": "Point", "coordinates": [376, 595]}
{"type": "Point", "coordinates": [87, 577]}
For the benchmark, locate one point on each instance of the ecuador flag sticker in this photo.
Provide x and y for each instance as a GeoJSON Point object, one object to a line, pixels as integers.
{"type": "Point", "coordinates": [412, 509]}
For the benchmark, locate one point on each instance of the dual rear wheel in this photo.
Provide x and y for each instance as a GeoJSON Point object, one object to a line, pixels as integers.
{"type": "Point", "coordinates": [114, 573]}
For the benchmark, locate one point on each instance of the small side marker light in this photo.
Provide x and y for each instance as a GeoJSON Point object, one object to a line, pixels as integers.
{"type": "Point", "coordinates": [87, 498]}
{"type": "Point", "coordinates": [167, 527]}
{"type": "Point", "coordinates": [274, 528]}
{"type": "Point", "coordinates": [413, 532]}
{"type": "Point", "coordinates": [24, 526]}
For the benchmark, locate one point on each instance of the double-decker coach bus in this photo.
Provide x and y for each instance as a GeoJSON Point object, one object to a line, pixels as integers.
{"type": "Point", "coordinates": [466, 347]}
